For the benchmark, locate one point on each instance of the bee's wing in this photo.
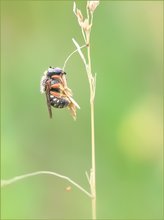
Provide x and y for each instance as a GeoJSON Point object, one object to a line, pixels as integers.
{"type": "Point", "coordinates": [74, 102]}
{"type": "Point", "coordinates": [48, 99]}
{"type": "Point", "coordinates": [67, 93]}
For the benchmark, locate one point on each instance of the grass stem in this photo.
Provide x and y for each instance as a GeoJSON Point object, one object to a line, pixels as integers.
{"type": "Point", "coordinates": [93, 168]}
{"type": "Point", "coordinates": [24, 176]}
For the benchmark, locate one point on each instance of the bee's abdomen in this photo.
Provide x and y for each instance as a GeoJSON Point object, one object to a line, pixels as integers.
{"type": "Point", "coordinates": [59, 102]}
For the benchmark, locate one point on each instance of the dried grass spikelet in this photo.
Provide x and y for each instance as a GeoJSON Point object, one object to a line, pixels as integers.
{"type": "Point", "coordinates": [92, 5]}
{"type": "Point", "coordinates": [84, 23]}
{"type": "Point", "coordinates": [78, 14]}
{"type": "Point", "coordinates": [86, 26]}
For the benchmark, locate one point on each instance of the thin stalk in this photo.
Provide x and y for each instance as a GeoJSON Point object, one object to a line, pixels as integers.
{"type": "Point", "coordinates": [93, 169]}
{"type": "Point", "coordinates": [83, 35]}
{"type": "Point", "coordinates": [93, 183]}
{"type": "Point", "coordinates": [86, 25]}
{"type": "Point", "coordinates": [24, 176]}
{"type": "Point", "coordinates": [92, 86]}
{"type": "Point", "coordinates": [70, 56]}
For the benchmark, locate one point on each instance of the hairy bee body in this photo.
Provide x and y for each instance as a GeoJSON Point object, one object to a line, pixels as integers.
{"type": "Point", "coordinates": [53, 81]}
{"type": "Point", "coordinates": [58, 95]}
{"type": "Point", "coordinates": [59, 101]}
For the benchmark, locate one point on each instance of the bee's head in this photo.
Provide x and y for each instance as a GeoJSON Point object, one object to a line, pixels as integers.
{"type": "Point", "coordinates": [54, 71]}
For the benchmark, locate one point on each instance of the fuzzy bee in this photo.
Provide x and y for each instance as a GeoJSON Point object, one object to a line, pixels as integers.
{"type": "Point", "coordinates": [54, 85]}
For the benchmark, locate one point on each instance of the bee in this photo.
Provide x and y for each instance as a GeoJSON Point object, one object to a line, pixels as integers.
{"type": "Point", "coordinates": [58, 95]}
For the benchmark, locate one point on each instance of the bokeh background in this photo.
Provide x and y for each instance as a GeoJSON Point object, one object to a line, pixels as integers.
{"type": "Point", "coordinates": [126, 49]}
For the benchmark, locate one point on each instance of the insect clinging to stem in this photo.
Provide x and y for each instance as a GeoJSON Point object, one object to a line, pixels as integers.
{"type": "Point", "coordinates": [58, 95]}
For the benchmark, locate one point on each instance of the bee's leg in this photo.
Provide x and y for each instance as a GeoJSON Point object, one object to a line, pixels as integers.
{"type": "Point", "coordinates": [72, 108]}
{"type": "Point", "coordinates": [62, 90]}
{"type": "Point", "coordinates": [65, 91]}
{"type": "Point", "coordinates": [48, 85]}
{"type": "Point", "coordinates": [62, 79]}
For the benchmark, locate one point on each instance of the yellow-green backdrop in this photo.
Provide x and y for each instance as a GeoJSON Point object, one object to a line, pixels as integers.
{"type": "Point", "coordinates": [126, 50]}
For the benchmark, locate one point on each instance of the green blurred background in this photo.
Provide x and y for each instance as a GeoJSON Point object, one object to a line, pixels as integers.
{"type": "Point", "coordinates": [126, 49]}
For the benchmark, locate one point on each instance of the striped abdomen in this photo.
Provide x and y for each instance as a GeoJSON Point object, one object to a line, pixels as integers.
{"type": "Point", "coordinates": [59, 102]}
